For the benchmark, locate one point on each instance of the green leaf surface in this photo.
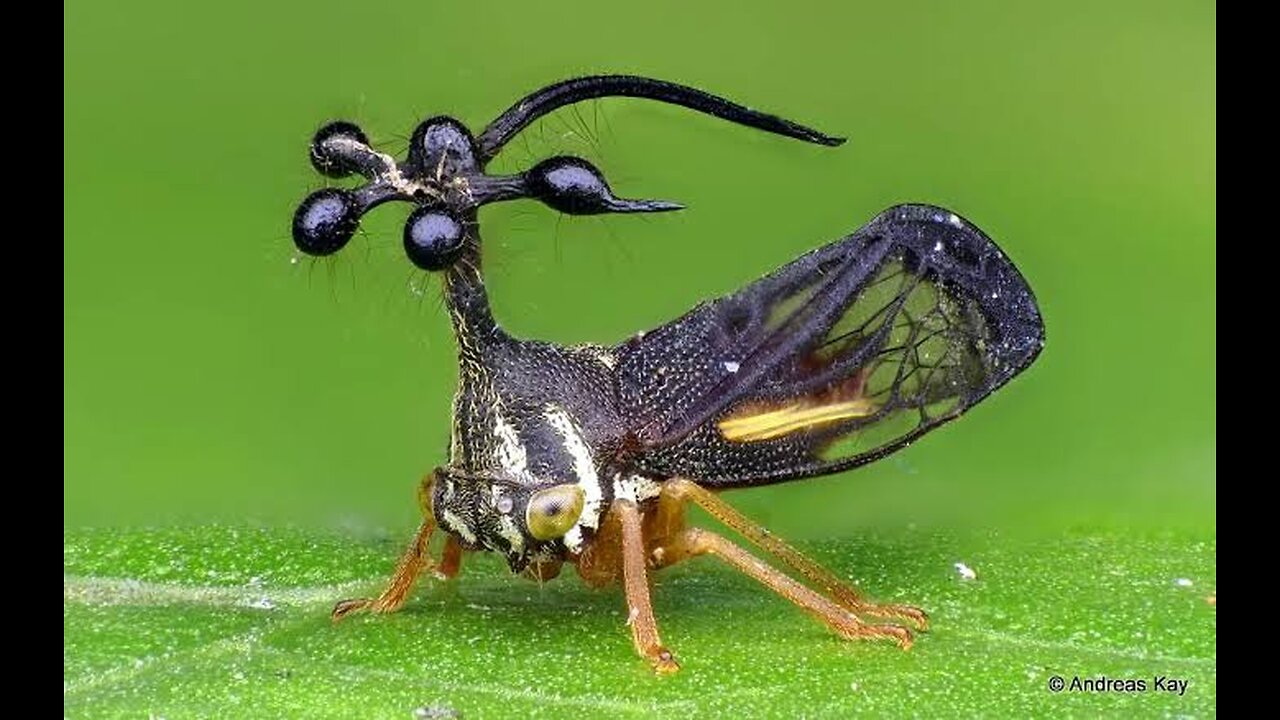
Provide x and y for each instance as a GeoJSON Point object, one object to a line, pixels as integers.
{"type": "Point", "coordinates": [233, 622]}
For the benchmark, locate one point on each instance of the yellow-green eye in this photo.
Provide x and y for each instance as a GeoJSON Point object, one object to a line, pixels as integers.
{"type": "Point", "coordinates": [553, 511]}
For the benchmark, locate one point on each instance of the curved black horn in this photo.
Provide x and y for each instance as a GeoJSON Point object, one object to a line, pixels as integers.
{"type": "Point", "coordinates": [535, 105]}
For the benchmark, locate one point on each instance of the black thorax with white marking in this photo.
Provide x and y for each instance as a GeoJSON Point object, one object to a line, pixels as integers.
{"type": "Point", "coordinates": [527, 416]}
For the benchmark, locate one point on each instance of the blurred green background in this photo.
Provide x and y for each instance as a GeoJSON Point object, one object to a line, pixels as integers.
{"type": "Point", "coordinates": [207, 376]}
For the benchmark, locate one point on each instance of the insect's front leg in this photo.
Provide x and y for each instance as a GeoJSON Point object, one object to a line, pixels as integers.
{"type": "Point", "coordinates": [635, 580]}
{"type": "Point", "coordinates": [667, 523]}
{"type": "Point", "coordinates": [413, 562]}
{"type": "Point", "coordinates": [619, 553]}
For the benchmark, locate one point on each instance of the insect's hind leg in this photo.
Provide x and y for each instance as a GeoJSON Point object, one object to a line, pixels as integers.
{"type": "Point", "coordinates": [696, 541]}
{"type": "Point", "coordinates": [412, 563]}
{"type": "Point", "coordinates": [669, 518]}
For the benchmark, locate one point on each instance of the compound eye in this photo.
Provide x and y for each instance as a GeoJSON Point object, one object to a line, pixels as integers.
{"type": "Point", "coordinates": [332, 148]}
{"type": "Point", "coordinates": [432, 239]}
{"type": "Point", "coordinates": [325, 221]}
{"type": "Point", "coordinates": [552, 512]}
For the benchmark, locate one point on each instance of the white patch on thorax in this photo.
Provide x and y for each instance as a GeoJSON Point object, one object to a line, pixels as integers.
{"type": "Point", "coordinates": [636, 488]}
{"type": "Point", "coordinates": [584, 468]}
{"type": "Point", "coordinates": [510, 451]}
{"type": "Point", "coordinates": [573, 539]}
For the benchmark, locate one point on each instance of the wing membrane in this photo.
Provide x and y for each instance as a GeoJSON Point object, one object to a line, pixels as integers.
{"type": "Point", "coordinates": [837, 359]}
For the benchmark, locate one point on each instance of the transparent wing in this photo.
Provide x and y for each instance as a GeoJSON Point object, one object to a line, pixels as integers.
{"type": "Point", "coordinates": [835, 360]}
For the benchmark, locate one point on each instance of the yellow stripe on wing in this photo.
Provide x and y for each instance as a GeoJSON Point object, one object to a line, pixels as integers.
{"type": "Point", "coordinates": [755, 424]}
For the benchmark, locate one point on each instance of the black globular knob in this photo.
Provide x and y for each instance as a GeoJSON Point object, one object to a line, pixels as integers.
{"type": "Point", "coordinates": [325, 221]}
{"type": "Point", "coordinates": [574, 186]}
{"type": "Point", "coordinates": [432, 239]}
{"type": "Point", "coordinates": [570, 185]}
{"type": "Point", "coordinates": [327, 156]}
{"type": "Point", "coordinates": [442, 143]}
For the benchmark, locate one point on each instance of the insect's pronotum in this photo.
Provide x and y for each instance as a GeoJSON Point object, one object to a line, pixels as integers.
{"type": "Point", "coordinates": [589, 454]}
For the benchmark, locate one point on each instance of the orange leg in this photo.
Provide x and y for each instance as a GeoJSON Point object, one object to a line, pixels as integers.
{"type": "Point", "coordinates": [617, 554]}
{"type": "Point", "coordinates": [635, 579]}
{"type": "Point", "coordinates": [412, 563]}
{"type": "Point", "coordinates": [669, 519]}
{"type": "Point", "coordinates": [450, 559]}
{"type": "Point", "coordinates": [696, 541]}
